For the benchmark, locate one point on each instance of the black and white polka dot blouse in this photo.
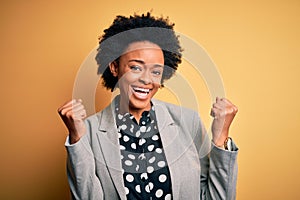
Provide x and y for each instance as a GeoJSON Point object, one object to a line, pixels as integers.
{"type": "Point", "coordinates": [145, 169]}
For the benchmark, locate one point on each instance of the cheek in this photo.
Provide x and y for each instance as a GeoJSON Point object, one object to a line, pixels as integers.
{"type": "Point", "coordinates": [128, 77]}
{"type": "Point", "coordinates": [156, 86]}
{"type": "Point", "coordinates": [127, 80]}
{"type": "Point", "coordinates": [157, 80]}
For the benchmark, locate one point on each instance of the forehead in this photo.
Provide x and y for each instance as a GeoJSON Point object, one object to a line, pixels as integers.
{"type": "Point", "coordinates": [144, 50]}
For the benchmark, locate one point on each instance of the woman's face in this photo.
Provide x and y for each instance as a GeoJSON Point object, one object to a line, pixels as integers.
{"type": "Point", "coordinates": [139, 74]}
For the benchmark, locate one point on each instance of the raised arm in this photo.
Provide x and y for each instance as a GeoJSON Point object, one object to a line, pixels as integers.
{"type": "Point", "coordinates": [219, 166]}
{"type": "Point", "coordinates": [83, 182]}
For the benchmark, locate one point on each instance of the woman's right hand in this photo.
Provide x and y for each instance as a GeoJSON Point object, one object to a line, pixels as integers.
{"type": "Point", "coordinates": [73, 114]}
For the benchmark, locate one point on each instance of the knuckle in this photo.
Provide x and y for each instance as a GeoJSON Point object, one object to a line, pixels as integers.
{"type": "Point", "coordinates": [70, 115]}
{"type": "Point", "coordinates": [81, 107]}
{"type": "Point", "coordinates": [223, 113]}
{"type": "Point", "coordinates": [236, 109]}
{"type": "Point", "coordinates": [62, 112]}
{"type": "Point", "coordinates": [59, 112]}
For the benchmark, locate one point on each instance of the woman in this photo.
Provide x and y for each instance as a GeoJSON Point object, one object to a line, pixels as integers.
{"type": "Point", "coordinates": [139, 147]}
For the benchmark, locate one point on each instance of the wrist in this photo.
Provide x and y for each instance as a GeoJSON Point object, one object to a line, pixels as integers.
{"type": "Point", "coordinates": [73, 139]}
{"type": "Point", "coordinates": [226, 145]}
{"type": "Point", "coordinates": [219, 141]}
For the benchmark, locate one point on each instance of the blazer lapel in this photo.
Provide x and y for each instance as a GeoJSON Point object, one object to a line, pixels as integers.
{"type": "Point", "coordinates": [109, 142]}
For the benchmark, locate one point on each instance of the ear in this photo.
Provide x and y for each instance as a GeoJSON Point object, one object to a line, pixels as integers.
{"type": "Point", "coordinates": [114, 68]}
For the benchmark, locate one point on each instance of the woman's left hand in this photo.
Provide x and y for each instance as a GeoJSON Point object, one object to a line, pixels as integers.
{"type": "Point", "coordinates": [223, 112]}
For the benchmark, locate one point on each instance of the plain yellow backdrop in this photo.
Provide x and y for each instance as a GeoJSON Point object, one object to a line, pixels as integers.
{"type": "Point", "coordinates": [255, 45]}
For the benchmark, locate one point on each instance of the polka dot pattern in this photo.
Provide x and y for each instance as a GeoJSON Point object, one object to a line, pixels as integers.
{"type": "Point", "coordinates": [146, 173]}
{"type": "Point", "coordinates": [159, 193]}
{"type": "Point", "coordinates": [129, 178]}
{"type": "Point", "coordinates": [162, 178]}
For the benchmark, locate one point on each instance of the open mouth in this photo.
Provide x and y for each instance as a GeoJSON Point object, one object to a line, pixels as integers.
{"type": "Point", "coordinates": [141, 92]}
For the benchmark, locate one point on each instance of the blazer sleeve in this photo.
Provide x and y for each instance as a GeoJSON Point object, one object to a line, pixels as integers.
{"type": "Point", "coordinates": [84, 184]}
{"type": "Point", "coordinates": [218, 167]}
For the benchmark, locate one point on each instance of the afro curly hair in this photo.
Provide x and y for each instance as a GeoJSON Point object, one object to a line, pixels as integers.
{"type": "Point", "coordinates": [126, 30]}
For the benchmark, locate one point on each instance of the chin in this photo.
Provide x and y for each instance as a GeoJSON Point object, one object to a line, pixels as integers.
{"type": "Point", "coordinates": [138, 104]}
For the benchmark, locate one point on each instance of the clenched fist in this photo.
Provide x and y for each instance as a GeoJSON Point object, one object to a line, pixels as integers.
{"type": "Point", "coordinates": [223, 112]}
{"type": "Point", "coordinates": [73, 114]}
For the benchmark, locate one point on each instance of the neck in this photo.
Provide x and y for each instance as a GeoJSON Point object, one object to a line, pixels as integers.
{"type": "Point", "coordinates": [125, 107]}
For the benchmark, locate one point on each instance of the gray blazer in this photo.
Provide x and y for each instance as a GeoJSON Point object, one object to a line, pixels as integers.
{"type": "Point", "coordinates": [198, 169]}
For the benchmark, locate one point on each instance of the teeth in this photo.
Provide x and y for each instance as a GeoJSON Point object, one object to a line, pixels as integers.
{"type": "Point", "coordinates": [138, 89]}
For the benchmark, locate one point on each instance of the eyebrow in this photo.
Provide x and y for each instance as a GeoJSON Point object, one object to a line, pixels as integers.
{"type": "Point", "coordinates": [142, 62]}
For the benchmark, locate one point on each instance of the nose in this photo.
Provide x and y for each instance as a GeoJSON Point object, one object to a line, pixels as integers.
{"type": "Point", "coordinates": [145, 77]}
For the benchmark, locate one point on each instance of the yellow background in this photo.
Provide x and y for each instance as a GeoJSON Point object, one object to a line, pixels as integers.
{"type": "Point", "coordinates": [255, 45]}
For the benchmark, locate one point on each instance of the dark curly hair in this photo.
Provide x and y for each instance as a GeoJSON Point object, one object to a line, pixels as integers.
{"type": "Point", "coordinates": [126, 30]}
